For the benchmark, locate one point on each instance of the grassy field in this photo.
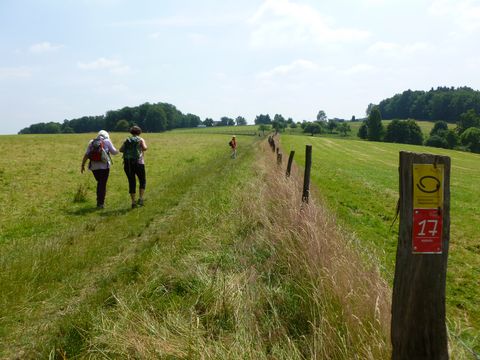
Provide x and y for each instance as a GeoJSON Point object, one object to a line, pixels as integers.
{"type": "Point", "coordinates": [223, 261]}
{"type": "Point", "coordinates": [359, 182]}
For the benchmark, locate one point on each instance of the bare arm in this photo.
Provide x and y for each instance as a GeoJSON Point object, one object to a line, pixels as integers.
{"type": "Point", "coordinates": [84, 160]}
{"type": "Point", "coordinates": [143, 144]}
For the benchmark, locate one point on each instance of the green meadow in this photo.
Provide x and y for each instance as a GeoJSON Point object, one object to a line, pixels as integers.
{"type": "Point", "coordinates": [213, 266]}
{"type": "Point", "coordinates": [62, 260]}
{"type": "Point", "coordinates": [358, 181]}
{"type": "Point", "coordinates": [223, 261]}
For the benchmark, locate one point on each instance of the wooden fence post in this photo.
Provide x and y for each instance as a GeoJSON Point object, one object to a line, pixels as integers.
{"type": "Point", "coordinates": [306, 177]}
{"type": "Point", "coordinates": [289, 165]}
{"type": "Point", "coordinates": [279, 158]}
{"type": "Point", "coordinates": [418, 329]}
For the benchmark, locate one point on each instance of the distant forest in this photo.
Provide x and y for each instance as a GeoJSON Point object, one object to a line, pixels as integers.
{"type": "Point", "coordinates": [443, 103]}
{"type": "Point", "coordinates": [150, 117]}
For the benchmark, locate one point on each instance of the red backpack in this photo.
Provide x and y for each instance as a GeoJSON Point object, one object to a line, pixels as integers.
{"type": "Point", "coordinates": [97, 150]}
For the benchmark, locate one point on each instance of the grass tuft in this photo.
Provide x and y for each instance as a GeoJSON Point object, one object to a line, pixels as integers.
{"type": "Point", "coordinates": [81, 194]}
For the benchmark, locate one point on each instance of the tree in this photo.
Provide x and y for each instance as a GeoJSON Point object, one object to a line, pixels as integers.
{"type": "Point", "coordinates": [467, 120]}
{"type": "Point", "coordinates": [343, 128]}
{"type": "Point", "coordinates": [263, 128]}
{"type": "Point", "coordinates": [437, 141]}
{"type": "Point", "coordinates": [226, 121]}
{"type": "Point", "coordinates": [452, 138]}
{"type": "Point", "coordinates": [404, 132]}
{"type": "Point", "coordinates": [208, 122]}
{"type": "Point", "coordinates": [375, 128]}
{"type": "Point", "coordinates": [363, 130]}
{"type": "Point", "coordinates": [263, 119]}
{"type": "Point", "coordinates": [122, 125]}
{"type": "Point", "coordinates": [353, 118]}
{"type": "Point", "coordinates": [332, 125]}
{"type": "Point", "coordinates": [313, 128]}
{"type": "Point", "coordinates": [293, 125]}
{"type": "Point", "coordinates": [471, 139]}
{"type": "Point", "coordinates": [439, 126]}
{"type": "Point", "coordinates": [369, 109]}
{"type": "Point", "coordinates": [155, 120]}
{"type": "Point", "coordinates": [240, 120]}
{"type": "Point", "coordinates": [321, 116]}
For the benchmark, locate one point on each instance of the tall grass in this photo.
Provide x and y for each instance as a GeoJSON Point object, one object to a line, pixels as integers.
{"type": "Point", "coordinates": [358, 181]}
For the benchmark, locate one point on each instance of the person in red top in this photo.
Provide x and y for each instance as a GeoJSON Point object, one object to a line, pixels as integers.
{"type": "Point", "coordinates": [233, 145]}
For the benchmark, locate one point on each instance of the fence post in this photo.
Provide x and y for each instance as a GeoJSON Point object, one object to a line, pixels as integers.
{"type": "Point", "coordinates": [289, 165]}
{"type": "Point", "coordinates": [418, 329]}
{"type": "Point", "coordinates": [306, 177]}
{"type": "Point", "coordinates": [279, 158]}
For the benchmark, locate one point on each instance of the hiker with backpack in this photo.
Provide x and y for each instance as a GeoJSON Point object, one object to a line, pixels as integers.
{"type": "Point", "coordinates": [233, 145]}
{"type": "Point", "coordinates": [134, 164]}
{"type": "Point", "coordinates": [98, 152]}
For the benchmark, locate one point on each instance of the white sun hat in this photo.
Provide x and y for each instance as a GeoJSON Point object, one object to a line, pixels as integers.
{"type": "Point", "coordinates": [103, 134]}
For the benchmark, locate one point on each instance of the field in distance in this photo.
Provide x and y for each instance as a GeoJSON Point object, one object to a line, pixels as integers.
{"type": "Point", "coordinates": [359, 181]}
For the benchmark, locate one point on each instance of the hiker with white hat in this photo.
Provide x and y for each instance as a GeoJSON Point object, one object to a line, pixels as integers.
{"type": "Point", "coordinates": [98, 152]}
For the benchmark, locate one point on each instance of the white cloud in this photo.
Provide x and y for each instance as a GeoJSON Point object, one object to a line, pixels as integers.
{"type": "Point", "coordinates": [15, 72]}
{"type": "Point", "coordinates": [358, 69]}
{"type": "Point", "coordinates": [295, 67]}
{"type": "Point", "coordinates": [281, 23]}
{"type": "Point", "coordinates": [44, 47]}
{"type": "Point", "coordinates": [464, 13]}
{"type": "Point", "coordinates": [112, 65]}
{"type": "Point", "coordinates": [395, 49]}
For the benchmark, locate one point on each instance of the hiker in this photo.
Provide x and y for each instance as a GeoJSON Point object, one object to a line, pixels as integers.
{"type": "Point", "coordinates": [134, 164]}
{"type": "Point", "coordinates": [98, 152]}
{"type": "Point", "coordinates": [233, 145]}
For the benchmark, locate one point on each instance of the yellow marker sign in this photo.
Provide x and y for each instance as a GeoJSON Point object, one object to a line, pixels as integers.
{"type": "Point", "coordinates": [427, 186]}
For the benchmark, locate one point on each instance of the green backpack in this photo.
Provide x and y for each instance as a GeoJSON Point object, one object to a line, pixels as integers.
{"type": "Point", "coordinates": [132, 149]}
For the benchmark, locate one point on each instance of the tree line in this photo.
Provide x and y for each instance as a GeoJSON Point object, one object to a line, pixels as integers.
{"type": "Point", "coordinates": [156, 117]}
{"type": "Point", "coordinates": [466, 135]}
{"type": "Point", "coordinates": [442, 103]}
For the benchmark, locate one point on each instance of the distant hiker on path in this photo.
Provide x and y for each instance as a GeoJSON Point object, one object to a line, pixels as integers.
{"type": "Point", "coordinates": [233, 145]}
{"type": "Point", "coordinates": [98, 152]}
{"type": "Point", "coordinates": [134, 164]}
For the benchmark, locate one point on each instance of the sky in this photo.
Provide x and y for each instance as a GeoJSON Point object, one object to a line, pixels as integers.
{"type": "Point", "coordinates": [63, 59]}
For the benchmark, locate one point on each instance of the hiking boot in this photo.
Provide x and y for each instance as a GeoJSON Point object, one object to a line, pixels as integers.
{"type": "Point", "coordinates": [134, 205]}
{"type": "Point", "coordinates": [140, 202]}
{"type": "Point", "coordinates": [100, 206]}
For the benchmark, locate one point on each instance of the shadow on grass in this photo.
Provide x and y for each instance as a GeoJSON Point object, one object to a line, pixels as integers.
{"type": "Point", "coordinates": [101, 212]}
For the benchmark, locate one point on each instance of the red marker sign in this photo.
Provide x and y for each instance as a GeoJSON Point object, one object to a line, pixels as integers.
{"type": "Point", "coordinates": [427, 231]}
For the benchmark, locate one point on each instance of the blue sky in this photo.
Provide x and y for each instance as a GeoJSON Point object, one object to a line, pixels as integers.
{"type": "Point", "coordinates": [62, 59]}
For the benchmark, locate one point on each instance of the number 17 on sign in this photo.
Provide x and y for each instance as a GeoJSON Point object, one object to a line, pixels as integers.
{"type": "Point", "coordinates": [427, 231]}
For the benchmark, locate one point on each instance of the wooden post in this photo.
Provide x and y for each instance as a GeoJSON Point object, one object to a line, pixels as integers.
{"type": "Point", "coordinates": [306, 177]}
{"type": "Point", "coordinates": [418, 329]}
{"type": "Point", "coordinates": [289, 165]}
{"type": "Point", "coordinates": [279, 158]}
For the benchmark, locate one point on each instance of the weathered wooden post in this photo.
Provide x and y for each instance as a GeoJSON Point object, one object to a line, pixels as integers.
{"type": "Point", "coordinates": [279, 158]}
{"type": "Point", "coordinates": [306, 177]}
{"type": "Point", "coordinates": [289, 165]}
{"type": "Point", "coordinates": [418, 329]}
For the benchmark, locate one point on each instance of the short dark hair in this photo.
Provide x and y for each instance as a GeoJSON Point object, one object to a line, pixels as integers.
{"type": "Point", "coordinates": [135, 130]}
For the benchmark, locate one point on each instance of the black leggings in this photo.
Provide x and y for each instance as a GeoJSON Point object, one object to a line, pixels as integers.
{"type": "Point", "coordinates": [132, 169]}
{"type": "Point", "coordinates": [101, 175]}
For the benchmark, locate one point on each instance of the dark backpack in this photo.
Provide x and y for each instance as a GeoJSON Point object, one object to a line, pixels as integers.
{"type": "Point", "coordinates": [230, 143]}
{"type": "Point", "coordinates": [132, 149]}
{"type": "Point", "coordinates": [97, 150]}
